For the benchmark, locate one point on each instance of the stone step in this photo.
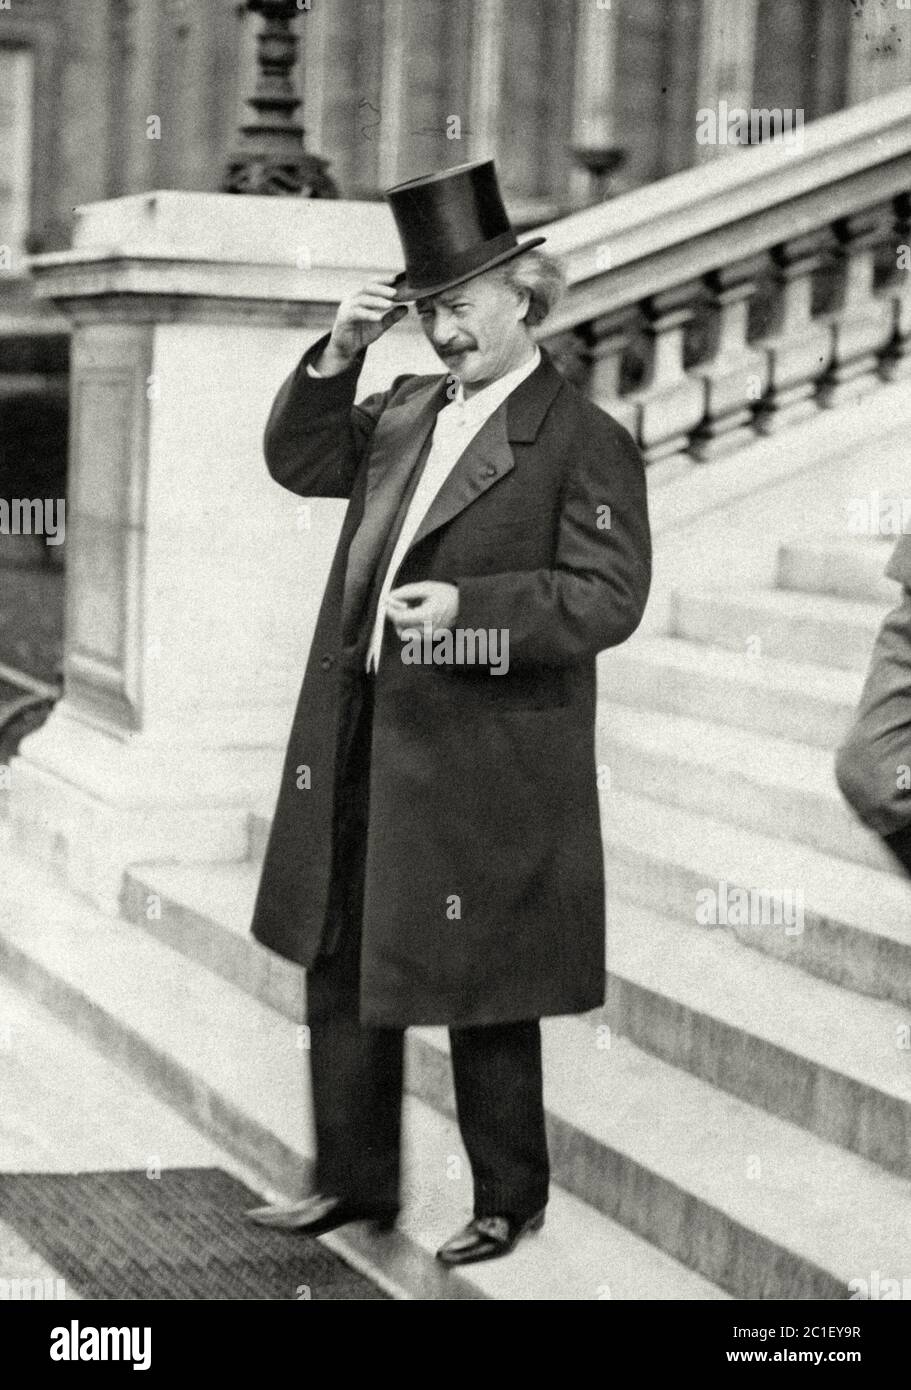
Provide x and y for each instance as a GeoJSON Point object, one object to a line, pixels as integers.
{"type": "Point", "coordinates": [742, 1051]}
{"type": "Point", "coordinates": [758, 1205]}
{"type": "Point", "coordinates": [204, 911]}
{"type": "Point", "coordinates": [780, 623]}
{"type": "Point", "coordinates": [236, 1069]}
{"type": "Point", "coordinates": [260, 825]}
{"type": "Point", "coordinates": [580, 1253]}
{"type": "Point", "coordinates": [845, 567]}
{"type": "Point", "coordinates": [856, 928]}
{"type": "Point", "coordinates": [755, 780]}
{"type": "Point", "coordinates": [204, 915]}
{"type": "Point", "coordinates": [834, 1062]}
{"type": "Point", "coordinates": [802, 701]}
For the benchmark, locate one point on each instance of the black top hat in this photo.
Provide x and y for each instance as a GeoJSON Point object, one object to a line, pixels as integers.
{"type": "Point", "coordinates": [452, 225]}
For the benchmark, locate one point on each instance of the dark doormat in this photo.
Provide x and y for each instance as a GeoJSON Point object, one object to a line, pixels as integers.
{"type": "Point", "coordinates": [184, 1235]}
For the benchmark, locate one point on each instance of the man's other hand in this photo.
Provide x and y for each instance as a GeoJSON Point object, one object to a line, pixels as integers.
{"type": "Point", "coordinates": [427, 601]}
{"type": "Point", "coordinates": [361, 318]}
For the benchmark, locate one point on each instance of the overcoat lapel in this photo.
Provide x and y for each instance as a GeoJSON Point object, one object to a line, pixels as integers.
{"type": "Point", "coordinates": [398, 440]}
{"type": "Point", "coordinates": [488, 457]}
{"type": "Point", "coordinates": [485, 460]}
{"type": "Point", "coordinates": [400, 435]}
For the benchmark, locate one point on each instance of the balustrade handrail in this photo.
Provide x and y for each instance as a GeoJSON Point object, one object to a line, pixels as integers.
{"type": "Point", "coordinates": [745, 294]}
{"type": "Point", "coordinates": [633, 246]}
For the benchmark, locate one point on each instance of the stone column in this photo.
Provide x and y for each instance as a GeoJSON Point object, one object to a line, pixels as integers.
{"type": "Point", "coordinates": [186, 96]}
{"type": "Point", "coordinates": [486, 74]}
{"type": "Point", "coordinates": [394, 92]}
{"type": "Point", "coordinates": [136, 41]}
{"type": "Point", "coordinates": [727, 41]}
{"type": "Point", "coordinates": [596, 46]}
{"type": "Point", "coordinates": [879, 49]}
{"type": "Point", "coordinates": [595, 83]}
{"type": "Point", "coordinates": [83, 125]}
{"type": "Point", "coordinates": [193, 580]}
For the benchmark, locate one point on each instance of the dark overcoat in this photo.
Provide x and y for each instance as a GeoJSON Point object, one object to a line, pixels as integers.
{"type": "Point", "coordinates": [484, 883]}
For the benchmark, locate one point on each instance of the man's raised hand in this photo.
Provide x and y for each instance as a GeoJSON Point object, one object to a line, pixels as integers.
{"type": "Point", "coordinates": [361, 318]}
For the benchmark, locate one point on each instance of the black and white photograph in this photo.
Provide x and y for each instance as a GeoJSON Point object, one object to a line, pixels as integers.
{"type": "Point", "coordinates": [455, 664]}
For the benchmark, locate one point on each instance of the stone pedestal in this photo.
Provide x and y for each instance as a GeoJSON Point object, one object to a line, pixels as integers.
{"type": "Point", "coordinates": [193, 581]}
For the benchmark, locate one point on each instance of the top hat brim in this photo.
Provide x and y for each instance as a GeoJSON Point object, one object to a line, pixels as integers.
{"type": "Point", "coordinates": [405, 293]}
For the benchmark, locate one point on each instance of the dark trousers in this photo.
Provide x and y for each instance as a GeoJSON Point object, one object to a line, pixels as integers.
{"type": "Point", "coordinates": [357, 1070]}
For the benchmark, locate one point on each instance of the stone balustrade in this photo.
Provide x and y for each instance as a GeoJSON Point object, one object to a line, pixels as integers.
{"type": "Point", "coordinates": [738, 298]}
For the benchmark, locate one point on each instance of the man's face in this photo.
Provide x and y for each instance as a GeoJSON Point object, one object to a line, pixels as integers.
{"type": "Point", "coordinates": [477, 328]}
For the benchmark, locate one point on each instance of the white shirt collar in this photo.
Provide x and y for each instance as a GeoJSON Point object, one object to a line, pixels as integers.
{"type": "Point", "coordinates": [485, 401]}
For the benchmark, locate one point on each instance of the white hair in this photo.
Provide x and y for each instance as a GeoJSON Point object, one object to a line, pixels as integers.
{"type": "Point", "coordinates": [539, 276]}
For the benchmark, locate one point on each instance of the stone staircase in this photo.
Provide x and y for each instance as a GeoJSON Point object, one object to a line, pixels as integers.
{"type": "Point", "coordinates": [718, 741]}
{"type": "Point", "coordinates": [206, 1020]}
{"type": "Point", "coordinates": [737, 1123]}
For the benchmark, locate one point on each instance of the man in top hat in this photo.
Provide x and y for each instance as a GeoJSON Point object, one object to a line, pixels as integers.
{"type": "Point", "coordinates": [436, 856]}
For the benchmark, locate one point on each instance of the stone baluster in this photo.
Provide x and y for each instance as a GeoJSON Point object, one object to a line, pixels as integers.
{"type": "Point", "coordinates": [897, 361]}
{"type": "Point", "coordinates": [799, 346]}
{"type": "Point", "coordinates": [862, 320]}
{"type": "Point", "coordinates": [671, 401]}
{"type": "Point", "coordinates": [610, 337]}
{"type": "Point", "coordinates": [737, 373]}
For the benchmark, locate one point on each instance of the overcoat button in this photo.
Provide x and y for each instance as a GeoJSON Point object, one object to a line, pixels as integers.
{"type": "Point", "coordinates": [326, 662]}
{"type": "Point", "coordinates": [488, 471]}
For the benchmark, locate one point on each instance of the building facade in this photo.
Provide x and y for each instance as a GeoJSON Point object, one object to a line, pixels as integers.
{"type": "Point", "coordinates": [106, 97]}
{"type": "Point", "coordinates": [100, 98]}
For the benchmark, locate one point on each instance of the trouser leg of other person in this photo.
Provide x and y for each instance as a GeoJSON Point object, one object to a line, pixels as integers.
{"type": "Point", "coordinates": [873, 764]}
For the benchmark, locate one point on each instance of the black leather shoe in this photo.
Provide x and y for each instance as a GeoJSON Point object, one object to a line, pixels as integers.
{"type": "Point", "coordinates": [487, 1238]}
{"type": "Point", "coordinates": [317, 1214]}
